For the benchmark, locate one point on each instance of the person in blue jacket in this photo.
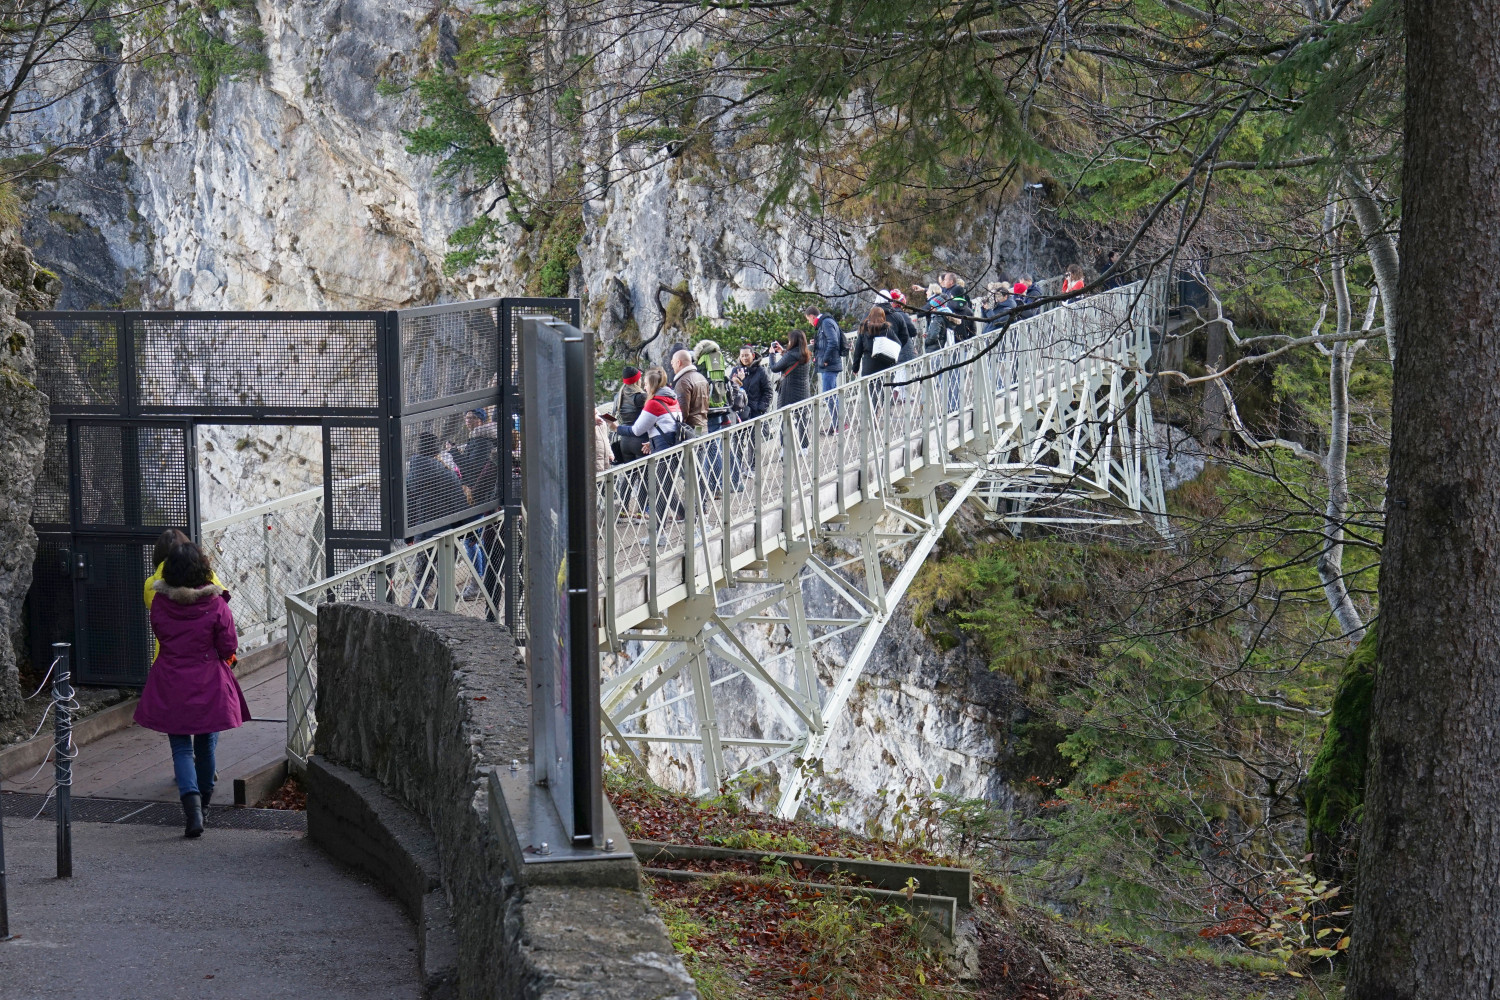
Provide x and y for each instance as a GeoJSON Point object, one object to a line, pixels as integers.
{"type": "Point", "coordinates": [829, 348]}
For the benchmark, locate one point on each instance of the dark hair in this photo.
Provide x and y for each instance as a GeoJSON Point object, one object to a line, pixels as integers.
{"type": "Point", "coordinates": [186, 565]}
{"type": "Point", "coordinates": [427, 444]}
{"type": "Point", "coordinates": [812, 311]}
{"type": "Point", "coordinates": [796, 343]}
{"type": "Point", "coordinates": [164, 544]}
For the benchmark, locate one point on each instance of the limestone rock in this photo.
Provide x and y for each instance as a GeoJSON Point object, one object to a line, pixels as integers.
{"type": "Point", "coordinates": [23, 430]}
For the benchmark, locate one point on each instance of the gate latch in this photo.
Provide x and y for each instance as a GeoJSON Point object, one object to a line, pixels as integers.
{"type": "Point", "coordinates": [80, 565]}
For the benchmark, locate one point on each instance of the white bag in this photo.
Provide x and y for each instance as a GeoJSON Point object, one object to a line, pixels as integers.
{"type": "Point", "coordinates": [886, 347]}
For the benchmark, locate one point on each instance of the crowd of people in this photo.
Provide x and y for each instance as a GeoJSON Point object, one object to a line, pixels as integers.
{"type": "Point", "coordinates": [700, 389]}
{"type": "Point", "coordinates": [698, 392]}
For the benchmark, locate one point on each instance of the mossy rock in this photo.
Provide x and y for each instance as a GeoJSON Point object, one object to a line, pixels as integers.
{"type": "Point", "coordinates": [1334, 793]}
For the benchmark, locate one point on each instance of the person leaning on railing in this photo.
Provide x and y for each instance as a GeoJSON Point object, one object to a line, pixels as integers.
{"type": "Point", "coordinates": [629, 401]}
{"type": "Point", "coordinates": [661, 423]}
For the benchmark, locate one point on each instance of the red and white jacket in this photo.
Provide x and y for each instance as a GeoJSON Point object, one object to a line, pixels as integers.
{"type": "Point", "coordinates": [661, 415]}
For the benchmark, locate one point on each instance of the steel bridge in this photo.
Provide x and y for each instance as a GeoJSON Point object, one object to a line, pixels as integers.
{"type": "Point", "coordinates": [708, 551]}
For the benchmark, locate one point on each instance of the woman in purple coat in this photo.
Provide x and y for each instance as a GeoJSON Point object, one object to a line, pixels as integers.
{"type": "Point", "coordinates": [191, 694]}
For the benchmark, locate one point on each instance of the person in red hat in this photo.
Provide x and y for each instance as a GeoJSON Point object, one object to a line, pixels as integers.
{"type": "Point", "coordinates": [901, 324]}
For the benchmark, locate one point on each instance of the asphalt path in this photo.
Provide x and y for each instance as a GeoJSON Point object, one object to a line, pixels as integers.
{"type": "Point", "coordinates": [237, 913]}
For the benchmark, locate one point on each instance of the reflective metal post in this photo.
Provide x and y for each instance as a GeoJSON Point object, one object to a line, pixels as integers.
{"type": "Point", "coordinates": [62, 697]}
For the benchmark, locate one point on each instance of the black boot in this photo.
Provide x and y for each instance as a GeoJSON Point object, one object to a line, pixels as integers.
{"type": "Point", "coordinates": [192, 812]}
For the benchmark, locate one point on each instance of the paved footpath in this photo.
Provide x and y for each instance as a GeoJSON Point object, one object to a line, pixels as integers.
{"type": "Point", "coordinates": [136, 763]}
{"type": "Point", "coordinates": [238, 913]}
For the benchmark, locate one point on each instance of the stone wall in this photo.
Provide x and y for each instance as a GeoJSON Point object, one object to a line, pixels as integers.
{"type": "Point", "coordinates": [23, 429]}
{"type": "Point", "coordinates": [425, 703]}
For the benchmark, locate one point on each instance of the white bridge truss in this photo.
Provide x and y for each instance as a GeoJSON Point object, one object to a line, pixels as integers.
{"type": "Point", "coordinates": [707, 548]}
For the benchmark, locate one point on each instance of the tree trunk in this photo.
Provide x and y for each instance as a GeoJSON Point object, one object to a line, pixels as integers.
{"type": "Point", "coordinates": [1381, 246]}
{"type": "Point", "coordinates": [1336, 462]}
{"type": "Point", "coordinates": [1427, 918]}
{"type": "Point", "coordinates": [1215, 413]}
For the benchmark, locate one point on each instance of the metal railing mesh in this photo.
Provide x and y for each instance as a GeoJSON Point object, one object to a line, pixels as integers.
{"type": "Point", "coordinates": [262, 554]}
{"type": "Point", "coordinates": [459, 570]}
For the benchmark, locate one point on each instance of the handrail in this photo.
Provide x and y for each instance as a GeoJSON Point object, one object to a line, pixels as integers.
{"type": "Point", "coordinates": [315, 493]}
{"type": "Point", "coordinates": [931, 359]}
{"type": "Point", "coordinates": [455, 570]}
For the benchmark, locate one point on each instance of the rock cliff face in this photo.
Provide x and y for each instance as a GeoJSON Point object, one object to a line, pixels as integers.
{"type": "Point", "coordinates": [23, 428]}
{"type": "Point", "coordinates": [293, 189]}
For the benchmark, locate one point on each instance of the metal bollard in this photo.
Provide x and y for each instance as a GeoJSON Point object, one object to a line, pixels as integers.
{"type": "Point", "coordinates": [62, 748]}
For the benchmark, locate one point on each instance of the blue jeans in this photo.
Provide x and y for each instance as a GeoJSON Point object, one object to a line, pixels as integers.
{"type": "Point", "coordinates": [476, 554]}
{"type": "Point", "coordinates": [193, 762]}
{"type": "Point", "coordinates": [830, 381]}
{"type": "Point", "coordinates": [713, 457]}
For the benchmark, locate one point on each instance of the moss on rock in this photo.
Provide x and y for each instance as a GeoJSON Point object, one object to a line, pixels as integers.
{"type": "Point", "coordinates": [1335, 790]}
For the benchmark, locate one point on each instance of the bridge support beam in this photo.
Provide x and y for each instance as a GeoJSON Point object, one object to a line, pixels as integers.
{"type": "Point", "coordinates": [752, 572]}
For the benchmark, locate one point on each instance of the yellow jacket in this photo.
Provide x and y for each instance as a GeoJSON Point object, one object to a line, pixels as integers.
{"type": "Point", "coordinates": [151, 582]}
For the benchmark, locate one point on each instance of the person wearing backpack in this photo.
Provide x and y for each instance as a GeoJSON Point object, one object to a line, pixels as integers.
{"type": "Point", "coordinates": [629, 402]}
{"type": "Point", "coordinates": [660, 422]}
{"type": "Point", "coordinates": [708, 358]}
{"type": "Point", "coordinates": [877, 347]}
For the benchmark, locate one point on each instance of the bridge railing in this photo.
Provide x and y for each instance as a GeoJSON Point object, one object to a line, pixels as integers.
{"type": "Point", "coordinates": [262, 553]}
{"type": "Point", "coordinates": [458, 570]}
{"type": "Point", "coordinates": [675, 522]}
{"type": "Point", "coordinates": [681, 521]}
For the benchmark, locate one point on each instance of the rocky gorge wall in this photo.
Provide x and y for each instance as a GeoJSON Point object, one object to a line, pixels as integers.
{"type": "Point", "coordinates": [23, 427]}
{"type": "Point", "coordinates": [292, 188]}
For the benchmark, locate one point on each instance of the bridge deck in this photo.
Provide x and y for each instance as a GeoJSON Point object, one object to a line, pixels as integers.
{"type": "Point", "coordinates": [1040, 405]}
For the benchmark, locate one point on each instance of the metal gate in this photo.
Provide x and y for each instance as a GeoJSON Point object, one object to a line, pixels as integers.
{"type": "Point", "coordinates": [128, 390]}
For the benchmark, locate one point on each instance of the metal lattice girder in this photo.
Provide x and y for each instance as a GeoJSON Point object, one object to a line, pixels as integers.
{"type": "Point", "coordinates": [707, 549]}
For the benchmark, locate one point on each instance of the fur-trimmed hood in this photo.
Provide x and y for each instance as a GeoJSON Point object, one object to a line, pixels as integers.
{"type": "Point", "coordinates": [706, 347]}
{"type": "Point", "coordinates": [187, 595]}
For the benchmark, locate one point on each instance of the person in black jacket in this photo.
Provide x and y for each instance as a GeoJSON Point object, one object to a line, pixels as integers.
{"type": "Point", "coordinates": [875, 330]}
{"type": "Point", "coordinates": [754, 384]}
{"type": "Point", "coordinates": [628, 403]}
{"type": "Point", "coordinates": [949, 303]}
{"type": "Point", "coordinates": [794, 365]}
{"type": "Point", "coordinates": [893, 301]}
{"type": "Point", "coordinates": [433, 492]}
{"type": "Point", "coordinates": [751, 376]}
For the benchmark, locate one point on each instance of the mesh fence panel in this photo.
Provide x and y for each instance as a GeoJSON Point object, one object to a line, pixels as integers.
{"type": "Point", "coordinates": [51, 595]}
{"type": "Point", "coordinates": [346, 558]}
{"type": "Point", "coordinates": [101, 474]}
{"type": "Point", "coordinates": [116, 627]}
{"type": "Point", "coordinates": [78, 359]}
{"type": "Point", "coordinates": [451, 472]}
{"type": "Point", "coordinates": [162, 461]}
{"type": "Point", "coordinates": [448, 351]}
{"type": "Point", "coordinates": [281, 362]}
{"type": "Point", "coordinates": [354, 468]}
{"type": "Point", "coordinates": [50, 502]}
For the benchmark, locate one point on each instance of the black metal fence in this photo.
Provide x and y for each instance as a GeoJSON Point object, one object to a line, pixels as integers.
{"type": "Point", "coordinates": [388, 389]}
